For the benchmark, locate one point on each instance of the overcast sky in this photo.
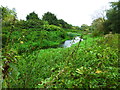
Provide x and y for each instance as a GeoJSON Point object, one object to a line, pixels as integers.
{"type": "Point", "coordinates": [75, 12]}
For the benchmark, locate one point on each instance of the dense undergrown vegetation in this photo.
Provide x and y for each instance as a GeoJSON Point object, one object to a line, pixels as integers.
{"type": "Point", "coordinates": [89, 66]}
{"type": "Point", "coordinates": [24, 40]}
{"type": "Point", "coordinates": [32, 58]}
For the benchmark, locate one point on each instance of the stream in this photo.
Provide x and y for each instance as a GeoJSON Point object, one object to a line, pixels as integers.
{"type": "Point", "coordinates": [69, 43]}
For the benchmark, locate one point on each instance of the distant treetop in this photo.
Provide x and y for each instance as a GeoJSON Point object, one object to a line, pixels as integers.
{"type": "Point", "coordinates": [32, 16]}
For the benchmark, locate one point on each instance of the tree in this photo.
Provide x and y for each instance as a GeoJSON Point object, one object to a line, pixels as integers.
{"type": "Point", "coordinates": [98, 27]}
{"type": "Point", "coordinates": [51, 18]}
{"type": "Point", "coordinates": [32, 21]}
{"type": "Point", "coordinates": [32, 16]}
{"type": "Point", "coordinates": [76, 28]}
{"type": "Point", "coordinates": [84, 27]}
{"type": "Point", "coordinates": [113, 18]}
{"type": "Point", "coordinates": [97, 24]}
{"type": "Point", "coordinates": [101, 13]}
{"type": "Point", "coordinates": [9, 19]}
{"type": "Point", "coordinates": [64, 24]}
{"type": "Point", "coordinates": [8, 16]}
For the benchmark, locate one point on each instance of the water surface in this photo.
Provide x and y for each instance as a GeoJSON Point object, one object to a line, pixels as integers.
{"type": "Point", "coordinates": [69, 43]}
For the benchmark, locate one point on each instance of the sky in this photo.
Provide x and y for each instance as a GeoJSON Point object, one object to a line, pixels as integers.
{"type": "Point", "coordinates": [75, 12]}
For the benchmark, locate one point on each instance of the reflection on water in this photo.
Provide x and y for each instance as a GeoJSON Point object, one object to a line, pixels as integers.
{"type": "Point", "coordinates": [68, 43]}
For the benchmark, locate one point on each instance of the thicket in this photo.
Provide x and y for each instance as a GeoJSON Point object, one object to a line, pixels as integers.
{"type": "Point", "coordinates": [30, 38]}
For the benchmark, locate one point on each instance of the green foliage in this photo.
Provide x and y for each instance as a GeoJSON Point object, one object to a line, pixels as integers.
{"type": "Point", "coordinates": [113, 18]}
{"type": "Point", "coordinates": [32, 24]}
{"type": "Point", "coordinates": [52, 28]}
{"type": "Point", "coordinates": [73, 34]}
{"type": "Point", "coordinates": [27, 40]}
{"type": "Point", "coordinates": [30, 60]}
{"type": "Point", "coordinates": [7, 13]}
{"type": "Point", "coordinates": [32, 16]}
{"type": "Point", "coordinates": [98, 27]}
{"type": "Point", "coordinates": [84, 27]}
{"type": "Point", "coordinates": [51, 18]}
{"type": "Point", "coordinates": [64, 24]}
{"type": "Point", "coordinates": [111, 24]}
{"type": "Point", "coordinates": [76, 28]}
{"type": "Point", "coordinates": [8, 16]}
{"type": "Point", "coordinates": [93, 65]}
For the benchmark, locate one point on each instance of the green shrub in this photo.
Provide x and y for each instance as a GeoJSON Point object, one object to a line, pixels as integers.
{"type": "Point", "coordinates": [27, 40]}
{"type": "Point", "coordinates": [52, 28]}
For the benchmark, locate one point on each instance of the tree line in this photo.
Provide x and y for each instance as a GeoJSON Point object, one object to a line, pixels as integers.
{"type": "Point", "coordinates": [99, 26]}
{"type": "Point", "coordinates": [111, 23]}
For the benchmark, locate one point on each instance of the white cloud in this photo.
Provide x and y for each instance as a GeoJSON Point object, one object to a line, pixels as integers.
{"type": "Point", "coordinates": [75, 12]}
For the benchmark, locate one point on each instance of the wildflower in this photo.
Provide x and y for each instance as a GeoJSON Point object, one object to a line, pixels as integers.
{"type": "Point", "coordinates": [98, 71]}
{"type": "Point", "coordinates": [21, 42]}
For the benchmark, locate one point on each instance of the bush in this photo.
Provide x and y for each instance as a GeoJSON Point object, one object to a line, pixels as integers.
{"type": "Point", "coordinates": [52, 28]}
{"type": "Point", "coordinates": [96, 33]}
{"type": "Point", "coordinates": [35, 38]}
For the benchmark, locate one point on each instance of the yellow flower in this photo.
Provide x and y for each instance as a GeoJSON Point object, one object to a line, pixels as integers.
{"type": "Point", "coordinates": [21, 42]}
{"type": "Point", "coordinates": [98, 71]}
{"type": "Point", "coordinates": [62, 80]}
